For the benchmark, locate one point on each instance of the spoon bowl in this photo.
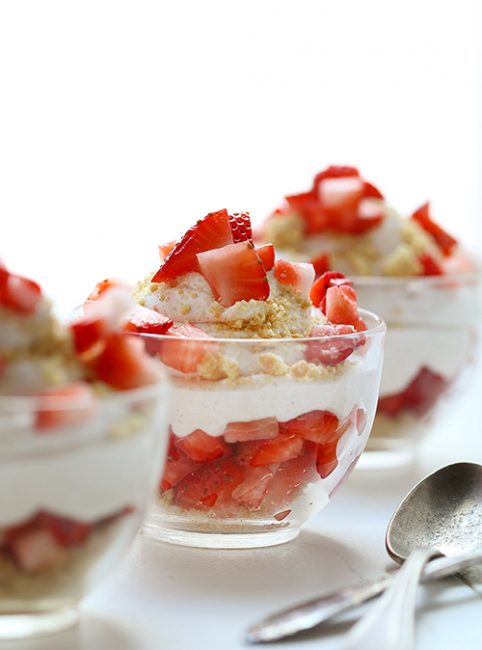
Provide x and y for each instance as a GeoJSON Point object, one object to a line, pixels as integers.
{"type": "Point", "coordinates": [443, 511]}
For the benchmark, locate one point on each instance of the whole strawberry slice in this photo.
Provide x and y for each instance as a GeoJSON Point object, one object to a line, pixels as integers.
{"type": "Point", "coordinates": [331, 346]}
{"type": "Point", "coordinates": [241, 227]}
{"type": "Point", "coordinates": [234, 273]}
{"type": "Point", "coordinates": [442, 238]}
{"type": "Point", "coordinates": [147, 321]}
{"type": "Point", "coordinates": [214, 231]}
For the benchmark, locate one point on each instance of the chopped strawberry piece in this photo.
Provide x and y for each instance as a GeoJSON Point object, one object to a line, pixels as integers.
{"type": "Point", "coordinates": [341, 305]}
{"type": "Point", "coordinates": [336, 348]}
{"type": "Point", "coordinates": [212, 232]}
{"type": "Point", "coordinates": [419, 396]}
{"type": "Point", "coordinates": [391, 405]}
{"type": "Point", "coordinates": [183, 350]}
{"type": "Point", "coordinates": [165, 249]}
{"type": "Point", "coordinates": [430, 265]}
{"type": "Point", "coordinates": [177, 465]}
{"type": "Point", "coordinates": [326, 460]}
{"type": "Point", "coordinates": [18, 293]}
{"type": "Point", "coordinates": [147, 321]}
{"type": "Point", "coordinates": [37, 550]}
{"type": "Point", "coordinates": [280, 449]}
{"type": "Point", "coordinates": [67, 532]}
{"type": "Point", "coordinates": [442, 238]}
{"type": "Point", "coordinates": [123, 364]}
{"type": "Point", "coordinates": [342, 193]}
{"type": "Point", "coordinates": [321, 264]}
{"type": "Point", "coordinates": [212, 484]}
{"type": "Point", "coordinates": [66, 406]}
{"type": "Point", "coordinates": [241, 227]}
{"type": "Point", "coordinates": [371, 192]}
{"type": "Point", "coordinates": [103, 286]}
{"type": "Point", "coordinates": [234, 273]}
{"type": "Point", "coordinates": [252, 490]}
{"type": "Point", "coordinates": [88, 331]}
{"type": "Point", "coordinates": [318, 426]}
{"type": "Point", "coordinates": [290, 478]}
{"type": "Point", "coordinates": [299, 275]}
{"type": "Point", "coordinates": [201, 447]}
{"type": "Point", "coordinates": [323, 283]}
{"type": "Point", "coordinates": [267, 255]}
{"type": "Point", "coordinates": [263, 429]}
{"type": "Point", "coordinates": [335, 171]}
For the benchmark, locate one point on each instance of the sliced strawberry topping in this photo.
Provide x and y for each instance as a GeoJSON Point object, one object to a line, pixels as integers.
{"type": "Point", "coordinates": [341, 305]}
{"type": "Point", "coordinates": [165, 249]}
{"type": "Point", "coordinates": [336, 348]}
{"type": "Point", "coordinates": [18, 293]}
{"type": "Point", "coordinates": [335, 171]}
{"type": "Point", "coordinates": [318, 426]}
{"type": "Point", "coordinates": [430, 265]}
{"type": "Point", "coordinates": [147, 321]}
{"type": "Point", "coordinates": [267, 255]}
{"type": "Point", "coordinates": [323, 283]}
{"type": "Point", "coordinates": [88, 331]}
{"type": "Point", "coordinates": [342, 193]}
{"type": "Point", "coordinates": [214, 231]}
{"type": "Point", "coordinates": [67, 532]}
{"type": "Point", "coordinates": [123, 364]}
{"type": "Point", "coordinates": [289, 479]}
{"type": "Point", "coordinates": [65, 406]}
{"type": "Point", "coordinates": [234, 273]}
{"type": "Point", "coordinates": [252, 490]}
{"type": "Point", "coordinates": [254, 430]}
{"type": "Point", "coordinates": [182, 350]}
{"type": "Point", "coordinates": [419, 396]}
{"type": "Point", "coordinates": [201, 447]}
{"type": "Point", "coordinates": [321, 264]}
{"type": "Point", "coordinates": [241, 227]}
{"type": "Point", "coordinates": [445, 241]}
{"type": "Point", "coordinates": [280, 449]}
{"type": "Point", "coordinates": [299, 275]}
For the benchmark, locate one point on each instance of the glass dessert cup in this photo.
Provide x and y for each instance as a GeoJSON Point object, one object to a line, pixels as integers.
{"type": "Point", "coordinates": [75, 480]}
{"type": "Point", "coordinates": [431, 343]}
{"type": "Point", "coordinates": [262, 432]}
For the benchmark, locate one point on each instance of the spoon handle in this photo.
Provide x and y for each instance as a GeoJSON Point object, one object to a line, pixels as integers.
{"type": "Point", "coordinates": [309, 614]}
{"type": "Point", "coordinates": [389, 624]}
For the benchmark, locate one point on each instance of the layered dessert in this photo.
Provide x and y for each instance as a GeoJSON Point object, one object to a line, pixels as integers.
{"type": "Point", "coordinates": [275, 380]}
{"type": "Point", "coordinates": [78, 435]}
{"type": "Point", "coordinates": [407, 269]}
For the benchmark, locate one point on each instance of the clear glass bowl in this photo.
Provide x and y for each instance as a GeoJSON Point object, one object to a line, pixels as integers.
{"type": "Point", "coordinates": [432, 339]}
{"type": "Point", "coordinates": [263, 431]}
{"type": "Point", "coordinates": [75, 477]}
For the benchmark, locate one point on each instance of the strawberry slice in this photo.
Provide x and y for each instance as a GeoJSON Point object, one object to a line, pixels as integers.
{"type": "Point", "coordinates": [323, 283]}
{"type": "Point", "coordinates": [183, 350]}
{"type": "Point", "coordinates": [321, 264]}
{"type": "Point", "coordinates": [267, 255]}
{"type": "Point", "coordinates": [326, 460]}
{"type": "Point", "coordinates": [202, 448]}
{"type": "Point", "coordinates": [318, 426]}
{"type": "Point", "coordinates": [37, 550]}
{"type": "Point", "coordinates": [240, 223]}
{"type": "Point", "coordinates": [419, 396]}
{"type": "Point", "coordinates": [289, 479]}
{"type": "Point", "coordinates": [442, 238]}
{"type": "Point", "coordinates": [263, 429]}
{"type": "Point", "coordinates": [18, 293]}
{"type": "Point", "coordinates": [67, 532]}
{"type": "Point", "coordinates": [341, 305]}
{"type": "Point", "coordinates": [252, 490]}
{"type": "Point", "coordinates": [177, 467]}
{"type": "Point", "coordinates": [234, 273]}
{"type": "Point", "coordinates": [103, 286]}
{"type": "Point", "coordinates": [335, 171]}
{"type": "Point", "coordinates": [280, 449]}
{"type": "Point", "coordinates": [214, 231]}
{"type": "Point", "coordinates": [123, 364]}
{"type": "Point", "coordinates": [342, 193]}
{"type": "Point", "coordinates": [391, 405]}
{"type": "Point", "coordinates": [336, 348]}
{"type": "Point", "coordinates": [147, 321]}
{"type": "Point", "coordinates": [66, 406]}
{"type": "Point", "coordinates": [211, 487]}
{"type": "Point", "coordinates": [299, 275]}
{"type": "Point", "coordinates": [430, 265]}
{"type": "Point", "coordinates": [165, 249]}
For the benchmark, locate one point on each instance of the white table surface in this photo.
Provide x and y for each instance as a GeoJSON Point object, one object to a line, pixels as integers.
{"type": "Point", "coordinates": [174, 598]}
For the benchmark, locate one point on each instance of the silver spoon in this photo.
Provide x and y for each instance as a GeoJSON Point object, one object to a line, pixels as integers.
{"type": "Point", "coordinates": [444, 511]}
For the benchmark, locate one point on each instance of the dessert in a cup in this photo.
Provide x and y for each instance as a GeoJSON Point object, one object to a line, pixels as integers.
{"type": "Point", "coordinates": [274, 385]}
{"type": "Point", "coordinates": [407, 269]}
{"type": "Point", "coordinates": [82, 432]}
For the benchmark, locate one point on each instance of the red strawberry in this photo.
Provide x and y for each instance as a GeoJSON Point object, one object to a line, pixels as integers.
{"type": "Point", "coordinates": [424, 390]}
{"type": "Point", "coordinates": [267, 255]}
{"type": "Point", "coordinates": [445, 241]}
{"type": "Point", "coordinates": [177, 466]}
{"type": "Point", "coordinates": [165, 249]}
{"type": "Point", "coordinates": [335, 171]}
{"type": "Point", "coordinates": [234, 273]}
{"type": "Point", "coordinates": [252, 490]}
{"type": "Point", "coordinates": [430, 265]}
{"type": "Point", "coordinates": [88, 331]}
{"type": "Point", "coordinates": [241, 227]}
{"type": "Point", "coordinates": [280, 449]}
{"type": "Point", "coordinates": [321, 264]}
{"type": "Point", "coordinates": [318, 426]}
{"type": "Point", "coordinates": [323, 283]}
{"type": "Point", "coordinates": [123, 363]}
{"type": "Point", "coordinates": [201, 447]}
{"type": "Point", "coordinates": [299, 275]}
{"type": "Point", "coordinates": [67, 532]}
{"type": "Point", "coordinates": [37, 550]}
{"type": "Point", "coordinates": [341, 305]}
{"type": "Point", "coordinates": [336, 348]}
{"type": "Point", "coordinates": [104, 285]}
{"type": "Point", "coordinates": [147, 321]}
{"type": "Point", "coordinates": [183, 350]}
{"type": "Point", "coordinates": [289, 479]}
{"type": "Point", "coordinates": [342, 193]}
{"type": "Point", "coordinates": [18, 293]}
{"type": "Point", "coordinates": [326, 460]}
{"type": "Point", "coordinates": [65, 406]}
{"type": "Point", "coordinates": [214, 231]}
{"type": "Point", "coordinates": [253, 430]}
{"type": "Point", "coordinates": [391, 405]}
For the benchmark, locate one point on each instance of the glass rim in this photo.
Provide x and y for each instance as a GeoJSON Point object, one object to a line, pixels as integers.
{"type": "Point", "coordinates": [45, 402]}
{"type": "Point", "coordinates": [387, 281]}
{"type": "Point", "coordinates": [377, 329]}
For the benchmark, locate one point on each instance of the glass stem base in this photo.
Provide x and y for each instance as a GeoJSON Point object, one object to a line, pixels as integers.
{"type": "Point", "coordinates": [28, 625]}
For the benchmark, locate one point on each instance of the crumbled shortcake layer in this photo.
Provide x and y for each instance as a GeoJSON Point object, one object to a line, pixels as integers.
{"type": "Point", "coordinates": [286, 313]}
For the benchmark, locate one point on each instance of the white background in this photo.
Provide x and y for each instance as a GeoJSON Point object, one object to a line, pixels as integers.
{"type": "Point", "coordinates": [123, 122]}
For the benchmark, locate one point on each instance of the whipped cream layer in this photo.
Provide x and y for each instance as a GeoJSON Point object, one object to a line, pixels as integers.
{"type": "Point", "coordinates": [211, 406]}
{"type": "Point", "coordinates": [84, 474]}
